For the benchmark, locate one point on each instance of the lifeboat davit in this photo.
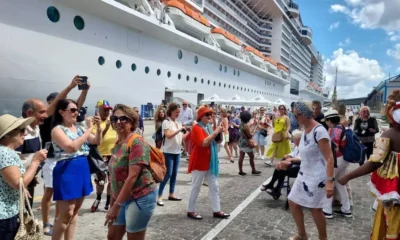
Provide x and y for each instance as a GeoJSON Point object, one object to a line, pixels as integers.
{"type": "Point", "coordinates": [271, 65]}
{"type": "Point", "coordinates": [283, 70]}
{"type": "Point", "coordinates": [256, 58]}
{"type": "Point", "coordinates": [228, 42]}
{"type": "Point", "coordinates": [188, 20]}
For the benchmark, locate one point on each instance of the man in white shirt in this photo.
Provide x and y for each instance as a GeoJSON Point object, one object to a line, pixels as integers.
{"type": "Point", "coordinates": [186, 118]}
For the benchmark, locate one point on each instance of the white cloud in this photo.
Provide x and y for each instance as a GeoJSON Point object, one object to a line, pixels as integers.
{"type": "Point", "coordinates": [398, 70]}
{"type": "Point", "coordinates": [356, 75]}
{"type": "Point", "coordinates": [393, 36]}
{"type": "Point", "coordinates": [334, 26]}
{"type": "Point", "coordinates": [395, 53]}
{"type": "Point", "coordinates": [345, 43]}
{"type": "Point", "coordinates": [372, 14]}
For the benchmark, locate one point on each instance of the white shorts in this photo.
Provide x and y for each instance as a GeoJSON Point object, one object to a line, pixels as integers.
{"type": "Point", "coordinates": [47, 169]}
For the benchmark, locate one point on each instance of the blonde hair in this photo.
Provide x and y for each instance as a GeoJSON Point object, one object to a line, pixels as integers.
{"type": "Point", "coordinates": [297, 134]}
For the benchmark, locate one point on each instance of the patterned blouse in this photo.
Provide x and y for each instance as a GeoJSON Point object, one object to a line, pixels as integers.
{"type": "Point", "coordinates": [60, 154]}
{"type": "Point", "coordinates": [122, 158]}
{"type": "Point", "coordinates": [9, 197]}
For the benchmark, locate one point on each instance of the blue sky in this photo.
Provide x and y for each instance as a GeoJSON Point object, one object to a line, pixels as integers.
{"type": "Point", "coordinates": [361, 37]}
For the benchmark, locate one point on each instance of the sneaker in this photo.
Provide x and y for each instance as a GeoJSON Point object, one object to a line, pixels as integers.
{"type": "Point", "coordinates": [328, 215]}
{"type": "Point", "coordinates": [262, 157]}
{"type": "Point", "coordinates": [256, 172]}
{"type": "Point", "coordinates": [268, 163]}
{"type": "Point", "coordinates": [95, 205]}
{"type": "Point", "coordinates": [339, 212]}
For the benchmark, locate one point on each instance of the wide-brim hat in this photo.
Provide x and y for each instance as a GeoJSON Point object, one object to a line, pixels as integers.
{"type": "Point", "coordinates": [331, 113]}
{"type": "Point", "coordinates": [9, 123]}
{"type": "Point", "coordinates": [203, 111]}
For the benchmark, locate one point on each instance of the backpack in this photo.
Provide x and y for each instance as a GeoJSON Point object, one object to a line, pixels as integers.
{"type": "Point", "coordinates": [333, 146]}
{"type": "Point", "coordinates": [157, 165]}
{"type": "Point", "coordinates": [354, 151]}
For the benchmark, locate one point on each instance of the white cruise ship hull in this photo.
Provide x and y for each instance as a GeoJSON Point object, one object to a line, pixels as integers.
{"type": "Point", "coordinates": [39, 57]}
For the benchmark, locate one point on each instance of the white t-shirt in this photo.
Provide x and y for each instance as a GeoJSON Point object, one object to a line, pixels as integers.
{"type": "Point", "coordinates": [173, 145]}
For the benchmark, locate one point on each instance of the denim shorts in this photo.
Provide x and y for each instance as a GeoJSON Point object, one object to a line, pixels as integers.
{"type": "Point", "coordinates": [9, 228]}
{"type": "Point", "coordinates": [260, 139]}
{"type": "Point", "coordinates": [135, 214]}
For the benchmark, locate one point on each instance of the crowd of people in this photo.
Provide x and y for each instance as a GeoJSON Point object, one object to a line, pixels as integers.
{"type": "Point", "coordinates": [58, 140]}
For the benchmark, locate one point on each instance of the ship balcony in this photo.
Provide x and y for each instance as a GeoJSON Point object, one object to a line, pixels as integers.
{"type": "Point", "coordinates": [306, 35]}
{"type": "Point", "coordinates": [293, 10]}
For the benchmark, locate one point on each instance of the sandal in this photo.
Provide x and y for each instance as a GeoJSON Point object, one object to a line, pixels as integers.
{"type": "Point", "coordinates": [194, 216]}
{"type": "Point", "coordinates": [298, 237]}
{"type": "Point", "coordinates": [174, 199]}
{"type": "Point", "coordinates": [265, 187]}
{"type": "Point", "coordinates": [273, 192]}
{"type": "Point", "coordinates": [50, 232]}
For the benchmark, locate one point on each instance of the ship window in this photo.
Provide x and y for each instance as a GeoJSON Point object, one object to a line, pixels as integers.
{"type": "Point", "coordinates": [241, 89]}
{"type": "Point", "coordinates": [146, 70]}
{"type": "Point", "coordinates": [79, 23]}
{"type": "Point", "coordinates": [214, 83]}
{"type": "Point", "coordinates": [219, 84]}
{"type": "Point", "coordinates": [238, 73]}
{"type": "Point", "coordinates": [101, 60]}
{"type": "Point", "coordinates": [208, 82]}
{"type": "Point", "coordinates": [195, 79]}
{"type": "Point", "coordinates": [118, 64]}
{"type": "Point", "coordinates": [179, 76]}
{"type": "Point", "coordinates": [187, 78]}
{"type": "Point", "coordinates": [224, 85]}
{"type": "Point", "coordinates": [133, 67]}
{"type": "Point", "coordinates": [229, 86]}
{"type": "Point", "coordinates": [196, 59]}
{"type": "Point", "coordinates": [220, 67]}
{"type": "Point", "coordinates": [202, 81]}
{"type": "Point", "coordinates": [180, 54]}
{"type": "Point", "coordinates": [233, 87]}
{"type": "Point", "coordinates": [234, 71]}
{"type": "Point", "coordinates": [158, 72]}
{"type": "Point", "coordinates": [53, 14]}
{"type": "Point", "coordinates": [169, 74]}
{"type": "Point", "coordinates": [226, 69]}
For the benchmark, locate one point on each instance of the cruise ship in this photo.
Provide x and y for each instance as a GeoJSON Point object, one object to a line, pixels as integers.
{"type": "Point", "coordinates": [142, 51]}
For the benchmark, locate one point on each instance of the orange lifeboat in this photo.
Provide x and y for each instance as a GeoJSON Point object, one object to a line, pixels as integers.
{"type": "Point", "coordinates": [271, 65]}
{"type": "Point", "coordinates": [283, 70]}
{"type": "Point", "coordinates": [227, 41]}
{"type": "Point", "coordinates": [187, 20]}
{"type": "Point", "coordinates": [256, 58]}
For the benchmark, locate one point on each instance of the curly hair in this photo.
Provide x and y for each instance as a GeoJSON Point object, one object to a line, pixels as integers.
{"type": "Point", "coordinates": [157, 114]}
{"type": "Point", "coordinates": [130, 113]}
{"type": "Point", "coordinates": [391, 102]}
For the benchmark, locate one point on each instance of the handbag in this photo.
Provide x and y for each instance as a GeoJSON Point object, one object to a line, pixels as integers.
{"type": "Point", "coordinates": [264, 132]}
{"type": "Point", "coordinates": [251, 143]}
{"type": "Point", "coordinates": [29, 228]}
{"type": "Point", "coordinates": [95, 160]}
{"type": "Point", "coordinates": [277, 137]}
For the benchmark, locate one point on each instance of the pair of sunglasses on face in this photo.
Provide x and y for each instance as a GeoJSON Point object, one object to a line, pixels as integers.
{"type": "Point", "coordinates": [122, 119]}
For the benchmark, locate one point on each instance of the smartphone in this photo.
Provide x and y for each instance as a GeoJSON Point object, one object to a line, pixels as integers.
{"type": "Point", "coordinates": [84, 85]}
{"type": "Point", "coordinates": [47, 146]}
{"type": "Point", "coordinates": [96, 112]}
{"type": "Point", "coordinates": [164, 102]}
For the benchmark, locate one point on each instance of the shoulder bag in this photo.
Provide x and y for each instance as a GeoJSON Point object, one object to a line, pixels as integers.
{"type": "Point", "coordinates": [29, 228]}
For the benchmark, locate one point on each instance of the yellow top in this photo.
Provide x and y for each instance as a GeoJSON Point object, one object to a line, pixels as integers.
{"type": "Point", "coordinates": [280, 124]}
{"type": "Point", "coordinates": [108, 140]}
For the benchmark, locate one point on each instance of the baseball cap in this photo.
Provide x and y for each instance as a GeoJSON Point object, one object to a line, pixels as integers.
{"type": "Point", "coordinates": [104, 104]}
{"type": "Point", "coordinates": [52, 96]}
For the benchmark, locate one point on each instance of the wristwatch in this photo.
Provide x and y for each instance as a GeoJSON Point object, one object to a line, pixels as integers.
{"type": "Point", "coordinates": [330, 179]}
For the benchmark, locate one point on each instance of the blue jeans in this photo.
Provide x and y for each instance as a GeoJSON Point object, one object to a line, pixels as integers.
{"type": "Point", "coordinates": [9, 228]}
{"type": "Point", "coordinates": [172, 163]}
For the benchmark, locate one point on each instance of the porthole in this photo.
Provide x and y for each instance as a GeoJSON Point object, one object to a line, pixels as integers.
{"type": "Point", "coordinates": [53, 14]}
{"type": "Point", "coordinates": [101, 60]}
{"type": "Point", "coordinates": [224, 85]}
{"type": "Point", "coordinates": [169, 74]}
{"type": "Point", "coordinates": [133, 67]}
{"type": "Point", "coordinates": [226, 69]}
{"type": "Point", "coordinates": [238, 73]}
{"type": "Point", "coordinates": [229, 86]}
{"type": "Point", "coordinates": [179, 76]}
{"type": "Point", "coordinates": [234, 71]}
{"type": "Point", "coordinates": [180, 55]}
{"type": "Point", "coordinates": [245, 89]}
{"type": "Point", "coordinates": [118, 64]}
{"type": "Point", "coordinates": [220, 67]}
{"type": "Point", "coordinates": [195, 79]}
{"type": "Point", "coordinates": [187, 78]}
{"type": "Point", "coordinates": [214, 83]}
{"type": "Point", "coordinates": [79, 23]}
{"type": "Point", "coordinates": [196, 59]}
{"type": "Point", "coordinates": [219, 84]}
{"type": "Point", "coordinates": [158, 72]}
{"type": "Point", "coordinates": [208, 82]}
{"type": "Point", "coordinates": [233, 87]}
{"type": "Point", "coordinates": [146, 70]}
{"type": "Point", "coordinates": [241, 89]}
{"type": "Point", "coordinates": [202, 81]}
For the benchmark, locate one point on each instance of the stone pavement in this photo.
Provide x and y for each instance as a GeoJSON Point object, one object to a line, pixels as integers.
{"type": "Point", "coordinates": [263, 218]}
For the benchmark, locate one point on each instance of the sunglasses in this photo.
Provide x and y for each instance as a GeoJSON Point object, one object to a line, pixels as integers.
{"type": "Point", "coordinates": [122, 119]}
{"type": "Point", "coordinates": [72, 110]}
{"type": "Point", "coordinates": [282, 109]}
{"type": "Point", "coordinates": [207, 114]}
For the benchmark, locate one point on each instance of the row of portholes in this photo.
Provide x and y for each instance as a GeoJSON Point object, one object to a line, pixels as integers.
{"type": "Point", "coordinates": [118, 64]}
{"type": "Point", "coordinates": [236, 73]}
{"type": "Point", "coordinates": [54, 15]}
{"type": "Point", "coordinates": [180, 56]}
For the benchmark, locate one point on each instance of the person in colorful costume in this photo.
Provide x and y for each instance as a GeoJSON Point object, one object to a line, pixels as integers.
{"type": "Point", "coordinates": [384, 184]}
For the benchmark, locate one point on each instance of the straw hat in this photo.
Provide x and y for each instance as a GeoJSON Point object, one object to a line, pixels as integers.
{"type": "Point", "coordinates": [9, 123]}
{"type": "Point", "coordinates": [330, 114]}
